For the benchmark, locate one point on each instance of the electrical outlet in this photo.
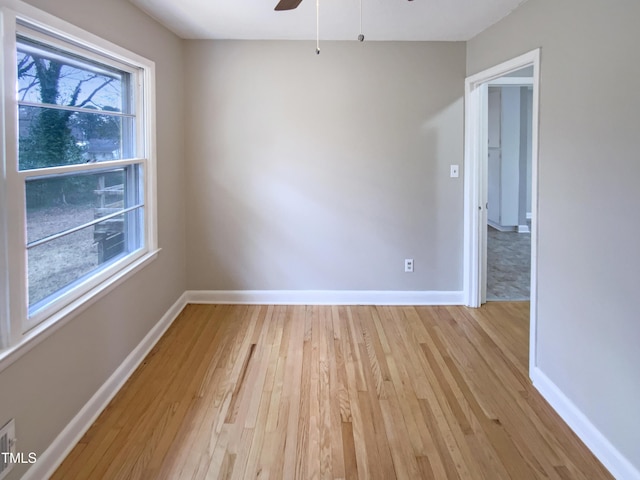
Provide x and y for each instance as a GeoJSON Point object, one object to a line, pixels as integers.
{"type": "Point", "coordinates": [408, 265]}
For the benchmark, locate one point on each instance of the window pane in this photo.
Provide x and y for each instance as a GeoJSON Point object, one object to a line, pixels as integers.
{"type": "Point", "coordinates": [50, 75]}
{"type": "Point", "coordinates": [58, 265]}
{"type": "Point", "coordinates": [58, 203]}
{"type": "Point", "coordinates": [51, 138]}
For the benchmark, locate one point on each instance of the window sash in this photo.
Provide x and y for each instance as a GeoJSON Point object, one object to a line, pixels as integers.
{"type": "Point", "coordinates": [83, 63]}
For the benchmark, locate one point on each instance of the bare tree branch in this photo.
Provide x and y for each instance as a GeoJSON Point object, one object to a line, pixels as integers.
{"type": "Point", "coordinates": [26, 89]}
{"type": "Point", "coordinates": [22, 69]}
{"type": "Point", "coordinates": [25, 64]}
{"type": "Point", "coordinates": [92, 94]}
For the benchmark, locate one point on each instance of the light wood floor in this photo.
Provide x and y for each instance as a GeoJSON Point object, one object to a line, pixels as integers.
{"type": "Point", "coordinates": [334, 392]}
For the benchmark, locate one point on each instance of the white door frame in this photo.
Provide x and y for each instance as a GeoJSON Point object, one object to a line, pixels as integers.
{"type": "Point", "coordinates": [475, 183]}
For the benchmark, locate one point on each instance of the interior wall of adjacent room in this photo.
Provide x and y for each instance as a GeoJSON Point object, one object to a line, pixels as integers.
{"type": "Point", "coordinates": [45, 389]}
{"type": "Point", "coordinates": [324, 171]}
{"type": "Point", "coordinates": [588, 261]}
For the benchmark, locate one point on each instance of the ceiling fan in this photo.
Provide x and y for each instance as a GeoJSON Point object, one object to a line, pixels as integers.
{"type": "Point", "coordinates": [287, 4]}
{"type": "Point", "coordinates": [291, 4]}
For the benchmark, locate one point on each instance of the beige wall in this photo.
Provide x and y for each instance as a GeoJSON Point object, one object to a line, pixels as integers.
{"type": "Point", "coordinates": [589, 192]}
{"type": "Point", "coordinates": [324, 172]}
{"type": "Point", "coordinates": [47, 387]}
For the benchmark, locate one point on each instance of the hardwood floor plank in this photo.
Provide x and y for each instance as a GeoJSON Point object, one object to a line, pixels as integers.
{"type": "Point", "coordinates": [349, 452]}
{"type": "Point", "coordinates": [377, 429]}
{"type": "Point", "coordinates": [352, 384]}
{"type": "Point", "coordinates": [404, 460]}
{"type": "Point", "coordinates": [337, 396]}
{"type": "Point", "coordinates": [334, 392]}
{"type": "Point", "coordinates": [374, 467]}
{"type": "Point", "coordinates": [325, 337]}
{"type": "Point", "coordinates": [293, 381]}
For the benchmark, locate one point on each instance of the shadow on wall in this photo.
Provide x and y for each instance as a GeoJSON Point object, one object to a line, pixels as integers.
{"type": "Point", "coordinates": [327, 173]}
{"type": "Point", "coordinates": [344, 223]}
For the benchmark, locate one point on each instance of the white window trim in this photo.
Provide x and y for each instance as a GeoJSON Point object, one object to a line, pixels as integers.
{"type": "Point", "coordinates": [14, 311]}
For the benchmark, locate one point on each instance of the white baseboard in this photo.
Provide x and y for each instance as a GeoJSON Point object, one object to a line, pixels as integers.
{"type": "Point", "coordinates": [325, 297]}
{"type": "Point", "coordinates": [610, 457]}
{"type": "Point", "coordinates": [501, 228]}
{"type": "Point", "coordinates": [53, 456]}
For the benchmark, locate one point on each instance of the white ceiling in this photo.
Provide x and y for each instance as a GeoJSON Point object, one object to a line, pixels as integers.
{"type": "Point", "coordinates": [450, 20]}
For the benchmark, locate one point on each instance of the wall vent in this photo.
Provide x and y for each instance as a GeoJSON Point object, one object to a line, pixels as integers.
{"type": "Point", "coordinates": [7, 448]}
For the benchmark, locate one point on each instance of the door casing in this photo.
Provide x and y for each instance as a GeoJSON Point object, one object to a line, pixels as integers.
{"type": "Point", "coordinates": [476, 183]}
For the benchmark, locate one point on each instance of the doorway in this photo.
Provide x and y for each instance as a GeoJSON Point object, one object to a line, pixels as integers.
{"type": "Point", "coordinates": [476, 180]}
{"type": "Point", "coordinates": [508, 253]}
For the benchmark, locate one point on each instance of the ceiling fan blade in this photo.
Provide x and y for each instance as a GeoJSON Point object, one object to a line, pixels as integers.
{"type": "Point", "coordinates": [287, 4]}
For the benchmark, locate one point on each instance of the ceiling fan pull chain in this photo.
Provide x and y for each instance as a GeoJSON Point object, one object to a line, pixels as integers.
{"type": "Point", "coordinates": [361, 36]}
{"type": "Point", "coordinates": [317, 27]}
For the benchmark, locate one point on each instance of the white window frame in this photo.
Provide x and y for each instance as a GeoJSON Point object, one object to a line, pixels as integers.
{"type": "Point", "coordinates": [17, 329]}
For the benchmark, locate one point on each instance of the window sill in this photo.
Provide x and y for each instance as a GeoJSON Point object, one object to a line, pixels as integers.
{"type": "Point", "coordinates": [45, 329]}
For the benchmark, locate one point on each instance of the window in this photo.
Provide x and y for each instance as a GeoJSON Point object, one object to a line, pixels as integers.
{"type": "Point", "coordinates": [77, 191]}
